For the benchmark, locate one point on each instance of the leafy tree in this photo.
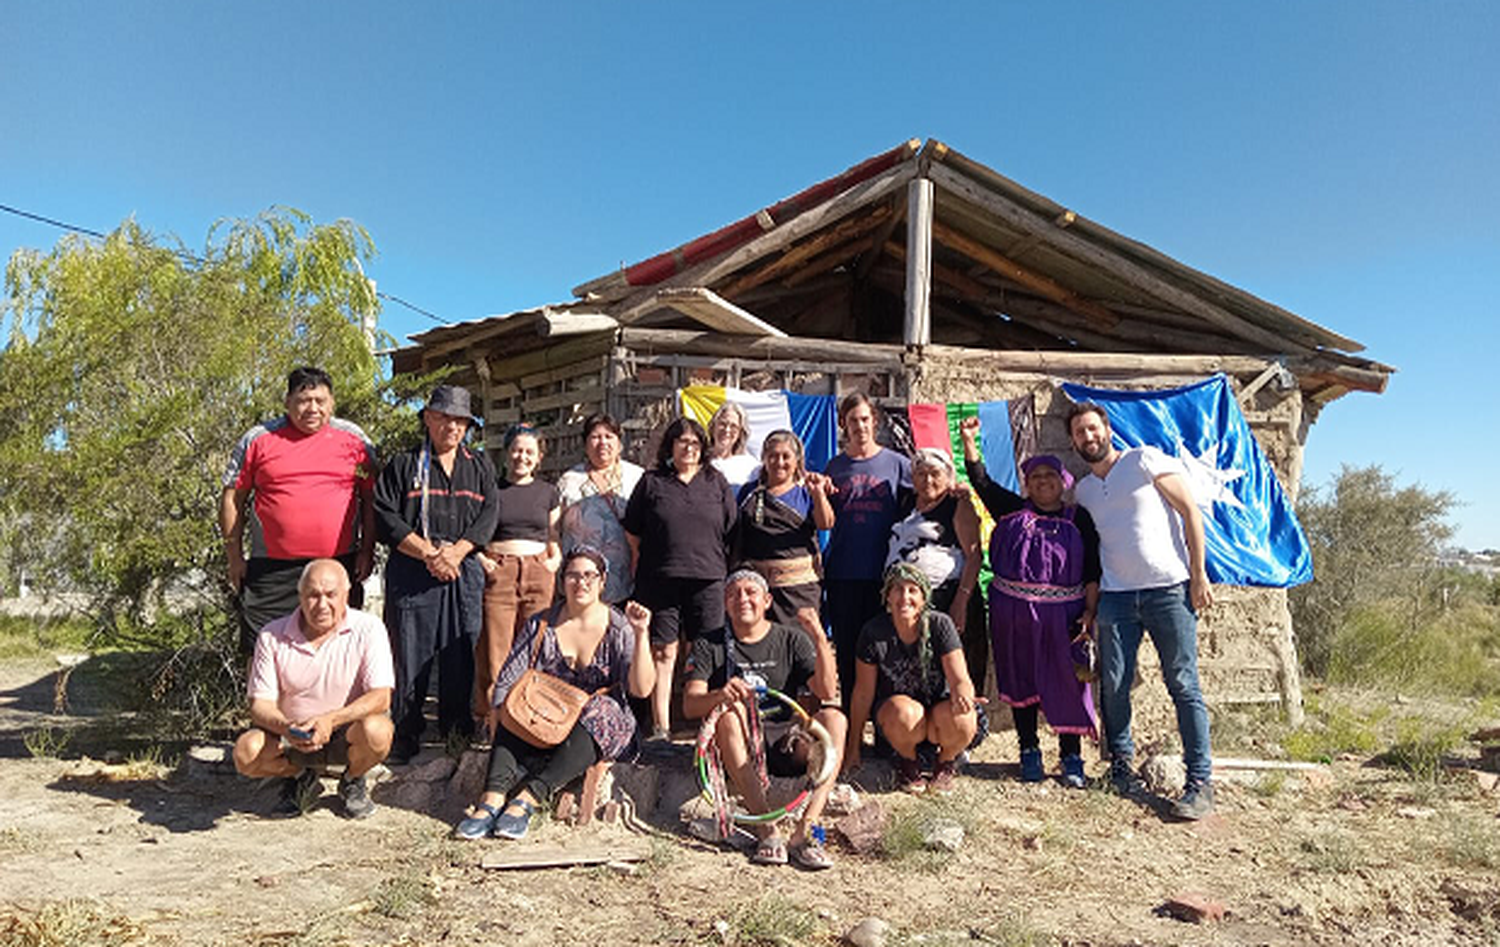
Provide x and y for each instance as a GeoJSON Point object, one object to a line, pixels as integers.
{"type": "Point", "coordinates": [131, 367]}
{"type": "Point", "coordinates": [1373, 544]}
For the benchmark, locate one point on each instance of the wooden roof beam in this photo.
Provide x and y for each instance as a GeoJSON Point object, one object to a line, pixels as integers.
{"type": "Point", "coordinates": [1127, 330]}
{"type": "Point", "coordinates": [765, 295]}
{"type": "Point", "coordinates": [970, 290]}
{"type": "Point", "coordinates": [1302, 331]}
{"type": "Point", "coordinates": [712, 271]}
{"type": "Point", "coordinates": [1097, 316]}
{"type": "Point", "coordinates": [881, 236]}
{"type": "Point", "coordinates": [826, 263]}
{"type": "Point", "coordinates": [1115, 265]}
{"type": "Point", "coordinates": [852, 228]}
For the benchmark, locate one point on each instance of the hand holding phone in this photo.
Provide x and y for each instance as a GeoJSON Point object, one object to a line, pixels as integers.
{"type": "Point", "coordinates": [297, 733]}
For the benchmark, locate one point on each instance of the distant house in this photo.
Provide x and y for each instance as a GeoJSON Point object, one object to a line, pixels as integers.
{"type": "Point", "coordinates": [920, 275]}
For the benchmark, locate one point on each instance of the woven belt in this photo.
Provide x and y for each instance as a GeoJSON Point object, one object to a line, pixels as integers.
{"type": "Point", "coordinates": [1037, 591]}
{"type": "Point", "coordinates": [784, 572]}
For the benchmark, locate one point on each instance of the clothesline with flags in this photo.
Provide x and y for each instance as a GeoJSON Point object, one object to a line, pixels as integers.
{"type": "Point", "coordinates": [1251, 532]}
{"type": "Point", "coordinates": [814, 419]}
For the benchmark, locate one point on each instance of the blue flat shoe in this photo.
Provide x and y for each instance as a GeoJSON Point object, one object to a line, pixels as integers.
{"type": "Point", "coordinates": [480, 824]}
{"type": "Point", "coordinates": [514, 826]}
{"type": "Point", "coordinates": [1031, 766]}
{"type": "Point", "coordinates": [1073, 776]}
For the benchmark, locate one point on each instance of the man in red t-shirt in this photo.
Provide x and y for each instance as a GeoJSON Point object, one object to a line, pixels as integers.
{"type": "Point", "coordinates": [311, 477]}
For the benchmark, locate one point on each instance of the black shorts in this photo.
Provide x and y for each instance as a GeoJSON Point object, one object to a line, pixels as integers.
{"type": "Point", "coordinates": [333, 753]}
{"type": "Point", "coordinates": [681, 608]}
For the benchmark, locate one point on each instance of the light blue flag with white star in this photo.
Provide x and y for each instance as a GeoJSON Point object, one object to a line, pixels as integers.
{"type": "Point", "coordinates": [1252, 534]}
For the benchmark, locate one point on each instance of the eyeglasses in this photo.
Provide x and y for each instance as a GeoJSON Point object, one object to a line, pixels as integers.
{"type": "Point", "coordinates": [692, 442]}
{"type": "Point", "coordinates": [582, 578]}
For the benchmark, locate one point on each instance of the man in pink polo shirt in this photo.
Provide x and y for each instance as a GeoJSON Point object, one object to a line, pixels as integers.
{"type": "Point", "coordinates": [320, 687]}
{"type": "Point", "coordinates": [309, 476]}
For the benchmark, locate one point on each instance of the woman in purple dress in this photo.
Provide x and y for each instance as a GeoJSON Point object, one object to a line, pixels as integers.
{"type": "Point", "coordinates": [1044, 554]}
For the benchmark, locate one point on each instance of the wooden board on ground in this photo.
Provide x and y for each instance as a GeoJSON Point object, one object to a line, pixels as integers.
{"type": "Point", "coordinates": [562, 856]}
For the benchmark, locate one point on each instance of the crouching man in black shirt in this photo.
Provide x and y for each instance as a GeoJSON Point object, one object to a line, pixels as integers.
{"type": "Point", "coordinates": [751, 653]}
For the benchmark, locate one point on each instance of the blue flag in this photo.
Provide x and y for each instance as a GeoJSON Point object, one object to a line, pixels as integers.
{"type": "Point", "coordinates": [815, 421]}
{"type": "Point", "coordinates": [1251, 533]}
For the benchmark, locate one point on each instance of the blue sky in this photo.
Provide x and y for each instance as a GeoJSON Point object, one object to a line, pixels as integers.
{"type": "Point", "coordinates": [1336, 158]}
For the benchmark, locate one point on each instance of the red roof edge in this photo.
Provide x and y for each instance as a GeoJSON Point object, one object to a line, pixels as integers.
{"type": "Point", "coordinates": [657, 268]}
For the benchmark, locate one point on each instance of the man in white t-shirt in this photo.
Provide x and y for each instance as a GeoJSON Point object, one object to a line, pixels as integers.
{"type": "Point", "coordinates": [1155, 582]}
{"type": "Point", "coordinates": [320, 687]}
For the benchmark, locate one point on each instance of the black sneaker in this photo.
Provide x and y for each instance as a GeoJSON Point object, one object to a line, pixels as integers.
{"type": "Point", "coordinates": [1197, 802]}
{"type": "Point", "coordinates": [402, 750]}
{"type": "Point", "coordinates": [356, 798]}
{"type": "Point", "coordinates": [298, 793]}
{"type": "Point", "coordinates": [1123, 779]}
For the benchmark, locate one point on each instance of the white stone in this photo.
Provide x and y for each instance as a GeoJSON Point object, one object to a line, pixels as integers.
{"type": "Point", "coordinates": [944, 834]}
{"type": "Point", "coordinates": [870, 932]}
{"type": "Point", "coordinates": [1164, 773]}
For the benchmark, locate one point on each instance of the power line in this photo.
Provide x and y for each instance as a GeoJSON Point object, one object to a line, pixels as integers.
{"type": "Point", "coordinates": [74, 228]}
{"type": "Point", "coordinates": [48, 220]}
{"type": "Point", "coordinates": [413, 307]}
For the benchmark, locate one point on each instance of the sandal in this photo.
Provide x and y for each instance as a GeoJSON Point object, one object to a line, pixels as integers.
{"type": "Point", "coordinates": [479, 823]}
{"type": "Point", "coordinates": [909, 776]}
{"type": "Point", "coordinates": [943, 776]}
{"type": "Point", "coordinates": [514, 826]}
{"type": "Point", "coordinates": [770, 851]}
{"type": "Point", "coordinates": [811, 856]}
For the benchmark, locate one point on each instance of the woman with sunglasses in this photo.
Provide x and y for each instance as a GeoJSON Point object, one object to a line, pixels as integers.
{"type": "Point", "coordinates": [597, 649]}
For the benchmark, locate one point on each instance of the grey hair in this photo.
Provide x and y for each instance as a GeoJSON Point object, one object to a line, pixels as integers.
{"type": "Point", "coordinates": [932, 457]}
{"type": "Point", "coordinates": [747, 575]}
{"type": "Point", "coordinates": [316, 565]}
{"type": "Point", "coordinates": [729, 407]}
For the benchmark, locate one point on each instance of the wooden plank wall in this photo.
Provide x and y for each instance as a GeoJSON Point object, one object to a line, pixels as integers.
{"type": "Point", "coordinates": [642, 393]}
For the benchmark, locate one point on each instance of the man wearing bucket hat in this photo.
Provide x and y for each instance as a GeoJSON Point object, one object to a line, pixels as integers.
{"type": "Point", "coordinates": [434, 506]}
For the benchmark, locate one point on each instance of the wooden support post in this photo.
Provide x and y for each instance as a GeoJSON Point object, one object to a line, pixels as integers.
{"type": "Point", "coordinates": [919, 199]}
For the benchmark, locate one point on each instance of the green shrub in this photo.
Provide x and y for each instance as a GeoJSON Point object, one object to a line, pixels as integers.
{"type": "Point", "coordinates": [1455, 653]}
{"type": "Point", "coordinates": [771, 921]}
{"type": "Point", "coordinates": [1326, 734]}
{"type": "Point", "coordinates": [1471, 843]}
{"type": "Point", "coordinates": [1421, 746]}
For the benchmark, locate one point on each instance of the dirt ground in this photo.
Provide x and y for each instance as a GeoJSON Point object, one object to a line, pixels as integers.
{"type": "Point", "coordinates": [140, 852]}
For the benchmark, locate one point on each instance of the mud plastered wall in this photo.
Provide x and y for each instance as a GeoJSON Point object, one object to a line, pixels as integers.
{"type": "Point", "coordinates": [1247, 659]}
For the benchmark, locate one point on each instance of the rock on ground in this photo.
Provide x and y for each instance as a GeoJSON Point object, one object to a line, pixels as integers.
{"type": "Point", "coordinates": [870, 932]}
{"type": "Point", "coordinates": [943, 835]}
{"type": "Point", "coordinates": [1164, 773]}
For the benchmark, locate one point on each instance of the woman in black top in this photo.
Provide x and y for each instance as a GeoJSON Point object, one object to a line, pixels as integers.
{"type": "Point", "coordinates": [519, 561]}
{"type": "Point", "coordinates": [678, 523]}
{"type": "Point", "coordinates": [911, 678]}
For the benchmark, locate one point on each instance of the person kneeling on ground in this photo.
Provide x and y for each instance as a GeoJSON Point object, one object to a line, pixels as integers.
{"type": "Point", "coordinates": [910, 669]}
{"type": "Point", "coordinates": [731, 668]}
{"type": "Point", "coordinates": [592, 646]}
{"type": "Point", "coordinates": [320, 686]}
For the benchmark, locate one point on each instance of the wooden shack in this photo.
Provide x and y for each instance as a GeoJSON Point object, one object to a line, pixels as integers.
{"type": "Point", "coordinates": [920, 275]}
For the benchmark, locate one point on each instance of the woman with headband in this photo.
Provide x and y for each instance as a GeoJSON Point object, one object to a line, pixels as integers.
{"type": "Point", "coordinates": [910, 674]}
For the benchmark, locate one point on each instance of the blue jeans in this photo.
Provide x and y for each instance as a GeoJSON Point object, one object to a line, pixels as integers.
{"type": "Point", "coordinates": [1167, 614]}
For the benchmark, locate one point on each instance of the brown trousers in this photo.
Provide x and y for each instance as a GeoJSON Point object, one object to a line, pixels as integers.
{"type": "Point", "coordinates": [519, 587]}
